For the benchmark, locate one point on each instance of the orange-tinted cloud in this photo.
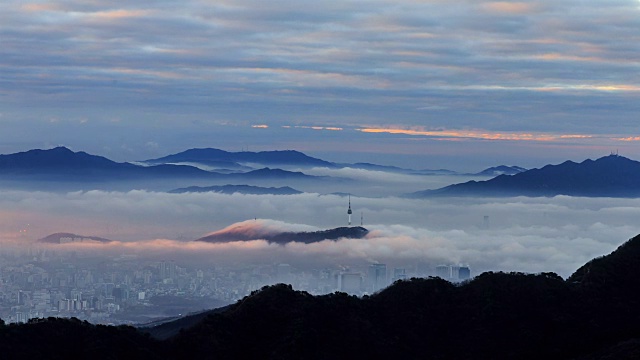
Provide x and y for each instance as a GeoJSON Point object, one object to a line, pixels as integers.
{"type": "Point", "coordinates": [590, 87]}
{"type": "Point", "coordinates": [629, 139]}
{"type": "Point", "coordinates": [476, 134]}
{"type": "Point", "coordinates": [510, 8]}
{"type": "Point", "coordinates": [118, 14]}
{"type": "Point", "coordinates": [39, 7]}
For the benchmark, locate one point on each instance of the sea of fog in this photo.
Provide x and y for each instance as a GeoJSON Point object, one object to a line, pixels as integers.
{"type": "Point", "coordinates": [556, 234]}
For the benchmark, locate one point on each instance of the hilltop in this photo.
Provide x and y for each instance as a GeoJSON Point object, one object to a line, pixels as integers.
{"type": "Point", "coordinates": [217, 157]}
{"type": "Point", "coordinates": [62, 238]}
{"type": "Point", "coordinates": [243, 233]}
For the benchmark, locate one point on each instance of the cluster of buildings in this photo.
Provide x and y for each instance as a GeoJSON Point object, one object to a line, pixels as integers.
{"type": "Point", "coordinates": [126, 289]}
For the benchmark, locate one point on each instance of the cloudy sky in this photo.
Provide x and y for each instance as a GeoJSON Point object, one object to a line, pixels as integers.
{"type": "Point", "coordinates": [454, 84]}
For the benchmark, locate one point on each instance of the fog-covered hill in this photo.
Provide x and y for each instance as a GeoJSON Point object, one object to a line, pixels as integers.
{"type": "Point", "coordinates": [245, 231]}
{"type": "Point", "coordinates": [61, 238]}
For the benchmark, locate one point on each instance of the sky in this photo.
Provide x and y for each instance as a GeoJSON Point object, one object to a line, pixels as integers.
{"type": "Point", "coordinates": [429, 84]}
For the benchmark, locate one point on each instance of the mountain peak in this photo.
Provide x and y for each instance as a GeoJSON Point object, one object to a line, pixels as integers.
{"type": "Point", "coordinates": [52, 158]}
{"type": "Point", "coordinates": [272, 157]}
{"type": "Point", "coordinates": [60, 149]}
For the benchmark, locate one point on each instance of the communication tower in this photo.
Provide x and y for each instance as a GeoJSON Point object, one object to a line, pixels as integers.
{"type": "Point", "coordinates": [349, 212]}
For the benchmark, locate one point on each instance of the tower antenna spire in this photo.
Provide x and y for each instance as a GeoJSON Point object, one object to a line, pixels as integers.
{"type": "Point", "coordinates": [349, 212]}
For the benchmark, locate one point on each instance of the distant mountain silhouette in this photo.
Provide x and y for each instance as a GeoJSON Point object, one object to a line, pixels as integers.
{"type": "Point", "coordinates": [492, 171]}
{"type": "Point", "coordinates": [56, 159]}
{"type": "Point", "coordinates": [501, 170]}
{"type": "Point", "coordinates": [61, 238]}
{"type": "Point", "coordinates": [234, 160]}
{"type": "Point", "coordinates": [208, 155]}
{"type": "Point", "coordinates": [307, 237]}
{"type": "Point", "coordinates": [395, 169]}
{"type": "Point", "coordinates": [63, 164]}
{"type": "Point", "coordinates": [218, 166]}
{"type": "Point", "coordinates": [611, 176]}
{"type": "Point", "coordinates": [267, 173]}
{"type": "Point", "coordinates": [241, 189]}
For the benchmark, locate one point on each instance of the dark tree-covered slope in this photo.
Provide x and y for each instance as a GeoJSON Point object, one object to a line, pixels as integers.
{"type": "Point", "coordinates": [592, 315]}
{"type": "Point", "coordinates": [495, 315]}
{"type": "Point", "coordinates": [55, 338]}
{"type": "Point", "coordinates": [307, 237]}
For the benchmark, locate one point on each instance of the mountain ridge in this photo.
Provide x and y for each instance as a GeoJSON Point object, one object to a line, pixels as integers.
{"type": "Point", "coordinates": [274, 157]}
{"type": "Point", "coordinates": [63, 165]}
{"type": "Point", "coordinates": [284, 237]}
{"type": "Point", "coordinates": [609, 176]}
{"type": "Point", "coordinates": [63, 162]}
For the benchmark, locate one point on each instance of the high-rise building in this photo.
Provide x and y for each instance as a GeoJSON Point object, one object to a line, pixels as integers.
{"type": "Point", "coordinates": [455, 272]}
{"type": "Point", "coordinates": [443, 271]}
{"type": "Point", "coordinates": [377, 279]}
{"type": "Point", "coordinates": [464, 273]}
{"type": "Point", "coordinates": [350, 282]}
{"type": "Point", "coordinates": [167, 270]}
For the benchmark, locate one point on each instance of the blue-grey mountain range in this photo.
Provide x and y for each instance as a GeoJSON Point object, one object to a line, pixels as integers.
{"type": "Point", "coordinates": [62, 164]}
{"type": "Point", "coordinates": [225, 160]}
{"type": "Point", "coordinates": [612, 176]}
{"type": "Point", "coordinates": [217, 157]}
{"type": "Point", "coordinates": [609, 176]}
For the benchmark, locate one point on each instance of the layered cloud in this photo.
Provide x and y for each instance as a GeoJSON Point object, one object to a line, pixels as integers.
{"type": "Point", "coordinates": [527, 67]}
{"type": "Point", "coordinates": [259, 229]}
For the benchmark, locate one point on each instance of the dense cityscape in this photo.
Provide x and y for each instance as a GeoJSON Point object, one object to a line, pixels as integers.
{"type": "Point", "coordinates": [42, 282]}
